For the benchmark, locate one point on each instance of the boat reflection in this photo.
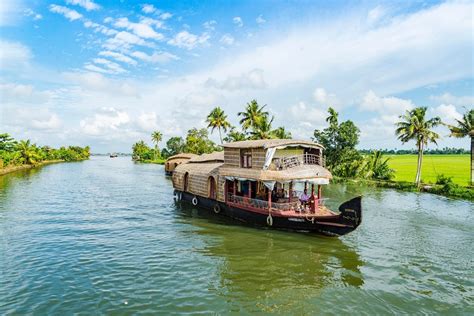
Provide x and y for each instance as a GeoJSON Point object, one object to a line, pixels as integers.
{"type": "Point", "coordinates": [279, 268]}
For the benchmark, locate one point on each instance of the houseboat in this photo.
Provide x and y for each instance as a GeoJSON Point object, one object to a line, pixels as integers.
{"type": "Point", "coordinates": [173, 161]}
{"type": "Point", "coordinates": [276, 183]}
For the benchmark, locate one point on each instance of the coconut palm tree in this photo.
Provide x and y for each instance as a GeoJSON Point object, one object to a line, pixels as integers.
{"type": "Point", "coordinates": [217, 119]}
{"type": "Point", "coordinates": [252, 115]}
{"type": "Point", "coordinates": [464, 128]}
{"type": "Point", "coordinates": [281, 133]}
{"type": "Point", "coordinates": [28, 152]}
{"type": "Point", "coordinates": [234, 135]}
{"type": "Point", "coordinates": [156, 137]}
{"type": "Point", "coordinates": [263, 129]}
{"type": "Point", "coordinates": [415, 126]}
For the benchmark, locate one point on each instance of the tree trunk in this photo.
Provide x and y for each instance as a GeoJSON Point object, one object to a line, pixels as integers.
{"type": "Point", "coordinates": [220, 135]}
{"type": "Point", "coordinates": [472, 160]}
{"type": "Point", "coordinates": [420, 159]}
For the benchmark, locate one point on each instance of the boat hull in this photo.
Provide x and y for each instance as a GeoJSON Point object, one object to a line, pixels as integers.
{"type": "Point", "coordinates": [334, 226]}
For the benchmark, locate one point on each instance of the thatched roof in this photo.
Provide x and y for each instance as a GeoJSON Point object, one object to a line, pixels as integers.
{"type": "Point", "coordinates": [296, 173]}
{"type": "Point", "coordinates": [217, 156]}
{"type": "Point", "coordinates": [269, 143]}
{"type": "Point", "coordinates": [182, 156]}
{"type": "Point", "coordinates": [211, 168]}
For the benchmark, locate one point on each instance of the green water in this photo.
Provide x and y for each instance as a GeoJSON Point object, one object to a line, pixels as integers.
{"type": "Point", "coordinates": [105, 237]}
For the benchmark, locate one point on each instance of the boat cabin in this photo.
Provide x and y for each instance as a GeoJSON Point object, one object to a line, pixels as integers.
{"type": "Point", "coordinates": [279, 174]}
{"type": "Point", "coordinates": [173, 161]}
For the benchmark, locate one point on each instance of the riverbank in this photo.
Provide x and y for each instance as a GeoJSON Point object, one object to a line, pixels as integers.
{"type": "Point", "coordinates": [449, 189]}
{"type": "Point", "coordinates": [157, 162]}
{"type": "Point", "coordinates": [10, 169]}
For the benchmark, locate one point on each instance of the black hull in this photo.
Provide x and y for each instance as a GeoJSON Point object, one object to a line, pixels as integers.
{"type": "Point", "coordinates": [345, 223]}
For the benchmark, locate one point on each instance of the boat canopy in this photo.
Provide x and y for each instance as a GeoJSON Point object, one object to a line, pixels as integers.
{"type": "Point", "coordinates": [271, 143]}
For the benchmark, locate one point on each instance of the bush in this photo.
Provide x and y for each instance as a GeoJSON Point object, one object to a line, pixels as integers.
{"type": "Point", "coordinates": [443, 180]}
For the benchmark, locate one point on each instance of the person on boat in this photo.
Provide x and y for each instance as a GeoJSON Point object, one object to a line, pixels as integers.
{"type": "Point", "coordinates": [304, 198]}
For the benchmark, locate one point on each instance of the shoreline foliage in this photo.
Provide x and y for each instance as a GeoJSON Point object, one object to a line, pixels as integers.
{"type": "Point", "coordinates": [23, 152]}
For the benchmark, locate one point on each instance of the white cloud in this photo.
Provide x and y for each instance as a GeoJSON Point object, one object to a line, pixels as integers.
{"type": "Point", "coordinates": [119, 57]}
{"type": "Point", "coordinates": [33, 14]}
{"type": "Point", "coordinates": [156, 57]}
{"type": "Point", "coordinates": [148, 122]}
{"type": "Point", "coordinates": [187, 40]}
{"type": "Point", "coordinates": [143, 30]}
{"type": "Point", "coordinates": [311, 115]}
{"type": "Point", "coordinates": [98, 83]}
{"type": "Point", "coordinates": [111, 67]}
{"type": "Point", "coordinates": [260, 19]}
{"type": "Point", "coordinates": [71, 15]}
{"type": "Point", "coordinates": [148, 8]}
{"type": "Point", "coordinates": [12, 93]}
{"type": "Point", "coordinates": [376, 14]}
{"type": "Point", "coordinates": [108, 119]}
{"type": "Point", "coordinates": [238, 21]}
{"type": "Point", "coordinates": [322, 97]}
{"type": "Point", "coordinates": [227, 39]}
{"type": "Point", "coordinates": [253, 79]}
{"type": "Point", "coordinates": [448, 98]}
{"type": "Point", "coordinates": [51, 123]}
{"type": "Point", "coordinates": [447, 112]}
{"type": "Point", "coordinates": [89, 5]}
{"type": "Point", "coordinates": [125, 40]}
{"type": "Point", "coordinates": [385, 105]}
{"type": "Point", "coordinates": [99, 28]}
{"type": "Point", "coordinates": [13, 54]}
{"type": "Point", "coordinates": [10, 11]}
{"type": "Point", "coordinates": [210, 25]}
{"type": "Point", "coordinates": [165, 16]}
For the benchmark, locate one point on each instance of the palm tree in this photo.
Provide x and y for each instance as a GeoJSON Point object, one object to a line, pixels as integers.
{"type": "Point", "coordinates": [28, 152]}
{"type": "Point", "coordinates": [234, 135]}
{"type": "Point", "coordinates": [252, 115]}
{"type": "Point", "coordinates": [376, 167]}
{"type": "Point", "coordinates": [465, 127]}
{"type": "Point", "coordinates": [217, 119]}
{"type": "Point", "coordinates": [414, 126]}
{"type": "Point", "coordinates": [263, 130]}
{"type": "Point", "coordinates": [156, 137]}
{"type": "Point", "coordinates": [281, 133]}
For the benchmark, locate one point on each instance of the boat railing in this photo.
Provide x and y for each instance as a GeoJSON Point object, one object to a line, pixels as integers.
{"type": "Point", "coordinates": [246, 202]}
{"type": "Point", "coordinates": [298, 160]}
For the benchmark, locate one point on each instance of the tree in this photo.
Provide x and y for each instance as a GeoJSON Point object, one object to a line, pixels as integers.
{"type": "Point", "coordinates": [375, 167]}
{"type": "Point", "coordinates": [339, 141]}
{"type": "Point", "coordinates": [140, 150]}
{"type": "Point", "coordinates": [234, 135]}
{"type": "Point", "coordinates": [262, 129]}
{"type": "Point", "coordinates": [198, 142]}
{"type": "Point", "coordinates": [415, 126]}
{"type": "Point", "coordinates": [7, 142]}
{"type": "Point", "coordinates": [217, 119]}
{"type": "Point", "coordinates": [253, 115]}
{"type": "Point", "coordinates": [28, 152]}
{"type": "Point", "coordinates": [156, 137]}
{"type": "Point", "coordinates": [464, 128]}
{"type": "Point", "coordinates": [174, 146]}
{"type": "Point", "coordinates": [281, 133]}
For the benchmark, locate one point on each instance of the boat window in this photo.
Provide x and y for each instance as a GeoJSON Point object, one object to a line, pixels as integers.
{"type": "Point", "coordinates": [246, 158]}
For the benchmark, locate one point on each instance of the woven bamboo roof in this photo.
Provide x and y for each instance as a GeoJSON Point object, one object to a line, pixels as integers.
{"type": "Point", "coordinates": [295, 173]}
{"type": "Point", "coordinates": [217, 156]}
{"type": "Point", "coordinates": [269, 143]}
{"type": "Point", "coordinates": [182, 156]}
{"type": "Point", "coordinates": [210, 168]}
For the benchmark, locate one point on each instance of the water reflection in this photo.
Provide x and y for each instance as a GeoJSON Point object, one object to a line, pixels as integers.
{"type": "Point", "coordinates": [276, 269]}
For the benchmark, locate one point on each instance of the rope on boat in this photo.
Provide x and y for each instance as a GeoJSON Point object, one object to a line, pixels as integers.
{"type": "Point", "coordinates": [269, 217]}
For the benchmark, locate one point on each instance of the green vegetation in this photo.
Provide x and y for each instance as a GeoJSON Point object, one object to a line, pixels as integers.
{"type": "Point", "coordinates": [455, 166]}
{"type": "Point", "coordinates": [465, 128]}
{"type": "Point", "coordinates": [17, 153]}
{"type": "Point", "coordinates": [414, 126]}
{"type": "Point", "coordinates": [217, 119]}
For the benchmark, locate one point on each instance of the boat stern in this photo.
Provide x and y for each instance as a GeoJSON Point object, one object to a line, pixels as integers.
{"type": "Point", "coordinates": [351, 211]}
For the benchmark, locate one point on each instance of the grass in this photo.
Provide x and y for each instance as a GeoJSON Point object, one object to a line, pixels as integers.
{"type": "Point", "coordinates": [455, 166]}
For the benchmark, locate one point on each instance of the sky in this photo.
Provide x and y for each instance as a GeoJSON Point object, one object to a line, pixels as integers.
{"type": "Point", "coordinates": [108, 73]}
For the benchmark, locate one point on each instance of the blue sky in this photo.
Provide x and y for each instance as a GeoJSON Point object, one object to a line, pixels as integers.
{"type": "Point", "coordinates": [107, 73]}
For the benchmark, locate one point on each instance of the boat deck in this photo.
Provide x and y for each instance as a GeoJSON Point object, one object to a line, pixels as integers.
{"type": "Point", "coordinates": [321, 211]}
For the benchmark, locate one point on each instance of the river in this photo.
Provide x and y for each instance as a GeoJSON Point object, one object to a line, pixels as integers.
{"type": "Point", "coordinates": [104, 236]}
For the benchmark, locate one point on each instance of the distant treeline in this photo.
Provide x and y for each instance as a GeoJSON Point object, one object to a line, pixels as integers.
{"type": "Point", "coordinates": [23, 152]}
{"type": "Point", "coordinates": [437, 151]}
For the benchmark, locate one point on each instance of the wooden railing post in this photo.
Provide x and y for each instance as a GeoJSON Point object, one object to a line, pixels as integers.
{"type": "Point", "coordinates": [269, 199]}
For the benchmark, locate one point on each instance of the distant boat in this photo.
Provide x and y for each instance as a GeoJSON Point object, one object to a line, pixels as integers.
{"type": "Point", "coordinates": [113, 155]}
